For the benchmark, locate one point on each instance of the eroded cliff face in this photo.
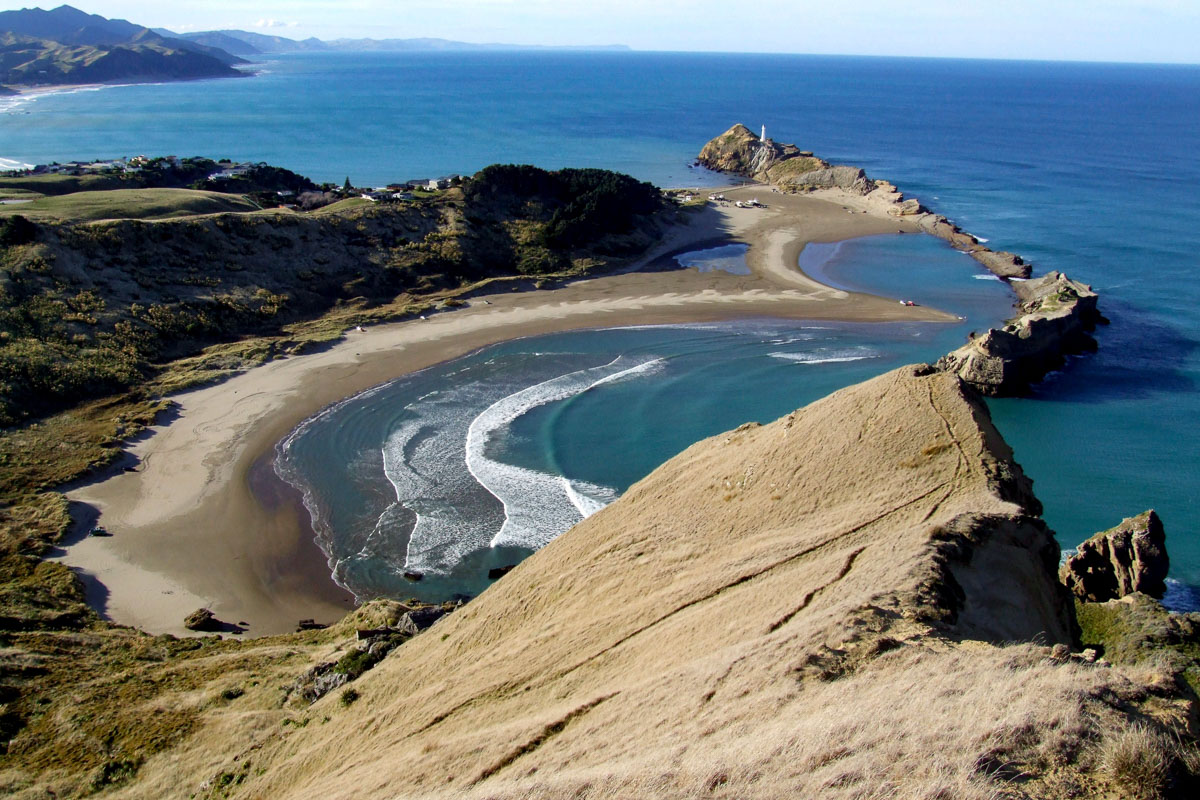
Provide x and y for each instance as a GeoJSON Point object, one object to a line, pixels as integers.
{"type": "Point", "coordinates": [773, 608]}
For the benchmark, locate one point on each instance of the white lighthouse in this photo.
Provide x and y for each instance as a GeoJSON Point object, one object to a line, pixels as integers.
{"type": "Point", "coordinates": [763, 137]}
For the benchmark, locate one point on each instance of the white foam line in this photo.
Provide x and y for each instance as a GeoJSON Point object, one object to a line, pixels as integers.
{"type": "Point", "coordinates": [815, 358]}
{"type": "Point", "coordinates": [587, 498]}
{"type": "Point", "coordinates": [530, 497]}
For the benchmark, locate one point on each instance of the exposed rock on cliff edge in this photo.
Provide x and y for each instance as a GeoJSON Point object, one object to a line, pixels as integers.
{"type": "Point", "coordinates": [1054, 316]}
{"type": "Point", "coordinates": [1132, 557]}
{"type": "Point", "coordinates": [787, 610]}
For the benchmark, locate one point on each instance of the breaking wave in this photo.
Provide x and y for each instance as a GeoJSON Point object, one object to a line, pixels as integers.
{"type": "Point", "coordinates": [827, 356]}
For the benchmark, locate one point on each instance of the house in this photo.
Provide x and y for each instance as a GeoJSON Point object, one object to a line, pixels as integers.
{"type": "Point", "coordinates": [235, 171]}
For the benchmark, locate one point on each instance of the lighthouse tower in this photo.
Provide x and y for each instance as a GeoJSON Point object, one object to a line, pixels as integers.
{"type": "Point", "coordinates": [763, 138]}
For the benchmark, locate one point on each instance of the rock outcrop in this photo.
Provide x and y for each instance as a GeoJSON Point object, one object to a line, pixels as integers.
{"type": "Point", "coordinates": [1131, 557]}
{"type": "Point", "coordinates": [653, 648]}
{"type": "Point", "coordinates": [202, 620]}
{"type": "Point", "coordinates": [742, 152]}
{"type": "Point", "coordinates": [1055, 315]}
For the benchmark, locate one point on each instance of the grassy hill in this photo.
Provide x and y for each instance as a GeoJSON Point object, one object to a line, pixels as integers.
{"type": "Point", "coordinates": [27, 61]}
{"type": "Point", "coordinates": [67, 46]}
{"type": "Point", "coordinates": [126, 204]}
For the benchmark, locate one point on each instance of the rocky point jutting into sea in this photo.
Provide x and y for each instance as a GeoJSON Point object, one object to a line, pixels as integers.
{"type": "Point", "coordinates": [1054, 315]}
{"type": "Point", "coordinates": [859, 599]}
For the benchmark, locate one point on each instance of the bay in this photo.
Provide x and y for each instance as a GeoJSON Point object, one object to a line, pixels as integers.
{"type": "Point", "coordinates": [1084, 168]}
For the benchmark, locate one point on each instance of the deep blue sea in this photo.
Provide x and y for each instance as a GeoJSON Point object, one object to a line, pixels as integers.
{"type": "Point", "coordinates": [1086, 168]}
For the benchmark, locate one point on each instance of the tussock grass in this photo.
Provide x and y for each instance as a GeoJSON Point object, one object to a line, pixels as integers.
{"type": "Point", "coordinates": [1138, 762]}
{"type": "Point", "coordinates": [963, 723]}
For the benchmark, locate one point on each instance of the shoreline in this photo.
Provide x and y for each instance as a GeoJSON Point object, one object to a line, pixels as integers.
{"type": "Point", "coordinates": [203, 524]}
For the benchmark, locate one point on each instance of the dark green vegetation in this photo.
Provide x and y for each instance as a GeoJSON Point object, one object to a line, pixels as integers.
{"type": "Point", "coordinates": [91, 309]}
{"type": "Point", "coordinates": [100, 319]}
{"type": "Point", "coordinates": [1137, 630]}
{"type": "Point", "coordinates": [575, 205]}
{"type": "Point", "coordinates": [67, 46]}
{"type": "Point", "coordinates": [261, 181]}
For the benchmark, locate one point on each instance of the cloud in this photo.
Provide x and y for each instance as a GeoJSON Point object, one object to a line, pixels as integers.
{"type": "Point", "coordinates": [274, 23]}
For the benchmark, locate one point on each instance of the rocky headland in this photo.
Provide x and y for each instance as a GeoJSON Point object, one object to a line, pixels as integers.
{"type": "Point", "coordinates": [739, 151]}
{"type": "Point", "coordinates": [1054, 315]}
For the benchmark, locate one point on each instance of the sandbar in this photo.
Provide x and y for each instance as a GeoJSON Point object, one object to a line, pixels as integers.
{"type": "Point", "coordinates": [204, 522]}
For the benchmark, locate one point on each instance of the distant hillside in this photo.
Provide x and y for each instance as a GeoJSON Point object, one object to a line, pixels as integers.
{"type": "Point", "coordinates": [279, 44]}
{"type": "Point", "coordinates": [26, 61]}
{"type": "Point", "coordinates": [68, 46]}
{"type": "Point", "coordinates": [259, 43]}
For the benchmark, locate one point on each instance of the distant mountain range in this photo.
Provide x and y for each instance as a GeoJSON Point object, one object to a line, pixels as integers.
{"type": "Point", "coordinates": [251, 44]}
{"type": "Point", "coordinates": [68, 46]}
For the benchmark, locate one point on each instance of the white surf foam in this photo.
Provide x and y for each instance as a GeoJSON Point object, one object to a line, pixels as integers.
{"type": "Point", "coordinates": [537, 506]}
{"type": "Point", "coordinates": [588, 498]}
{"type": "Point", "coordinates": [7, 164]}
{"type": "Point", "coordinates": [827, 356]}
{"type": "Point", "coordinates": [986, 277]}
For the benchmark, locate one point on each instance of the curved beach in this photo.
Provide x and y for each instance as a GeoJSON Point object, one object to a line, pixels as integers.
{"type": "Point", "coordinates": [205, 522]}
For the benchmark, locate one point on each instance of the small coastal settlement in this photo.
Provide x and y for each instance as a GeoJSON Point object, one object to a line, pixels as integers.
{"type": "Point", "coordinates": [858, 599]}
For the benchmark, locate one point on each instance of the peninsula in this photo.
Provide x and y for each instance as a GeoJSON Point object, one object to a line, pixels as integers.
{"type": "Point", "coordinates": [864, 584]}
{"type": "Point", "coordinates": [65, 46]}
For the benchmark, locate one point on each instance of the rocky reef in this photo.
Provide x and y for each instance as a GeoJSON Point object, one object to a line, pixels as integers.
{"type": "Point", "coordinates": [1054, 316]}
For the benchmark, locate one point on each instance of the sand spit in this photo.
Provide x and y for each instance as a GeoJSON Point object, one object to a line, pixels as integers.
{"type": "Point", "coordinates": [203, 522]}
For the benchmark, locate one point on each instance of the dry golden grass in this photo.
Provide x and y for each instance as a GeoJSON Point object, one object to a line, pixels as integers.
{"type": "Point", "coordinates": [680, 644]}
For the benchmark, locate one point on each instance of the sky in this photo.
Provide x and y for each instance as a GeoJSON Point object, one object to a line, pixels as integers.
{"type": "Point", "coordinates": [1080, 30]}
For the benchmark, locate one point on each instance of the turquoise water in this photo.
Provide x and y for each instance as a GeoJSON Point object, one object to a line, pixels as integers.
{"type": "Point", "coordinates": [473, 464]}
{"type": "Point", "coordinates": [1085, 168]}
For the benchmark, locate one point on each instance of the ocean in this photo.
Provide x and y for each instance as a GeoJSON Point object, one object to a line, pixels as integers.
{"type": "Point", "coordinates": [1085, 168]}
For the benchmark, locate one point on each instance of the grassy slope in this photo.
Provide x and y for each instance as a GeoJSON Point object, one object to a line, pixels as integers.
{"type": "Point", "coordinates": [62, 184]}
{"type": "Point", "coordinates": [128, 204]}
{"type": "Point", "coordinates": [778, 612]}
{"type": "Point", "coordinates": [156, 307]}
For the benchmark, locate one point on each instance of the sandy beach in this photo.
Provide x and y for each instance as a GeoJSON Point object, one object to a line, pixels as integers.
{"type": "Point", "coordinates": [204, 522]}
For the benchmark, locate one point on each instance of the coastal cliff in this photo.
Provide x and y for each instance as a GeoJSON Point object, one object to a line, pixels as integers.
{"type": "Point", "coordinates": [865, 584]}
